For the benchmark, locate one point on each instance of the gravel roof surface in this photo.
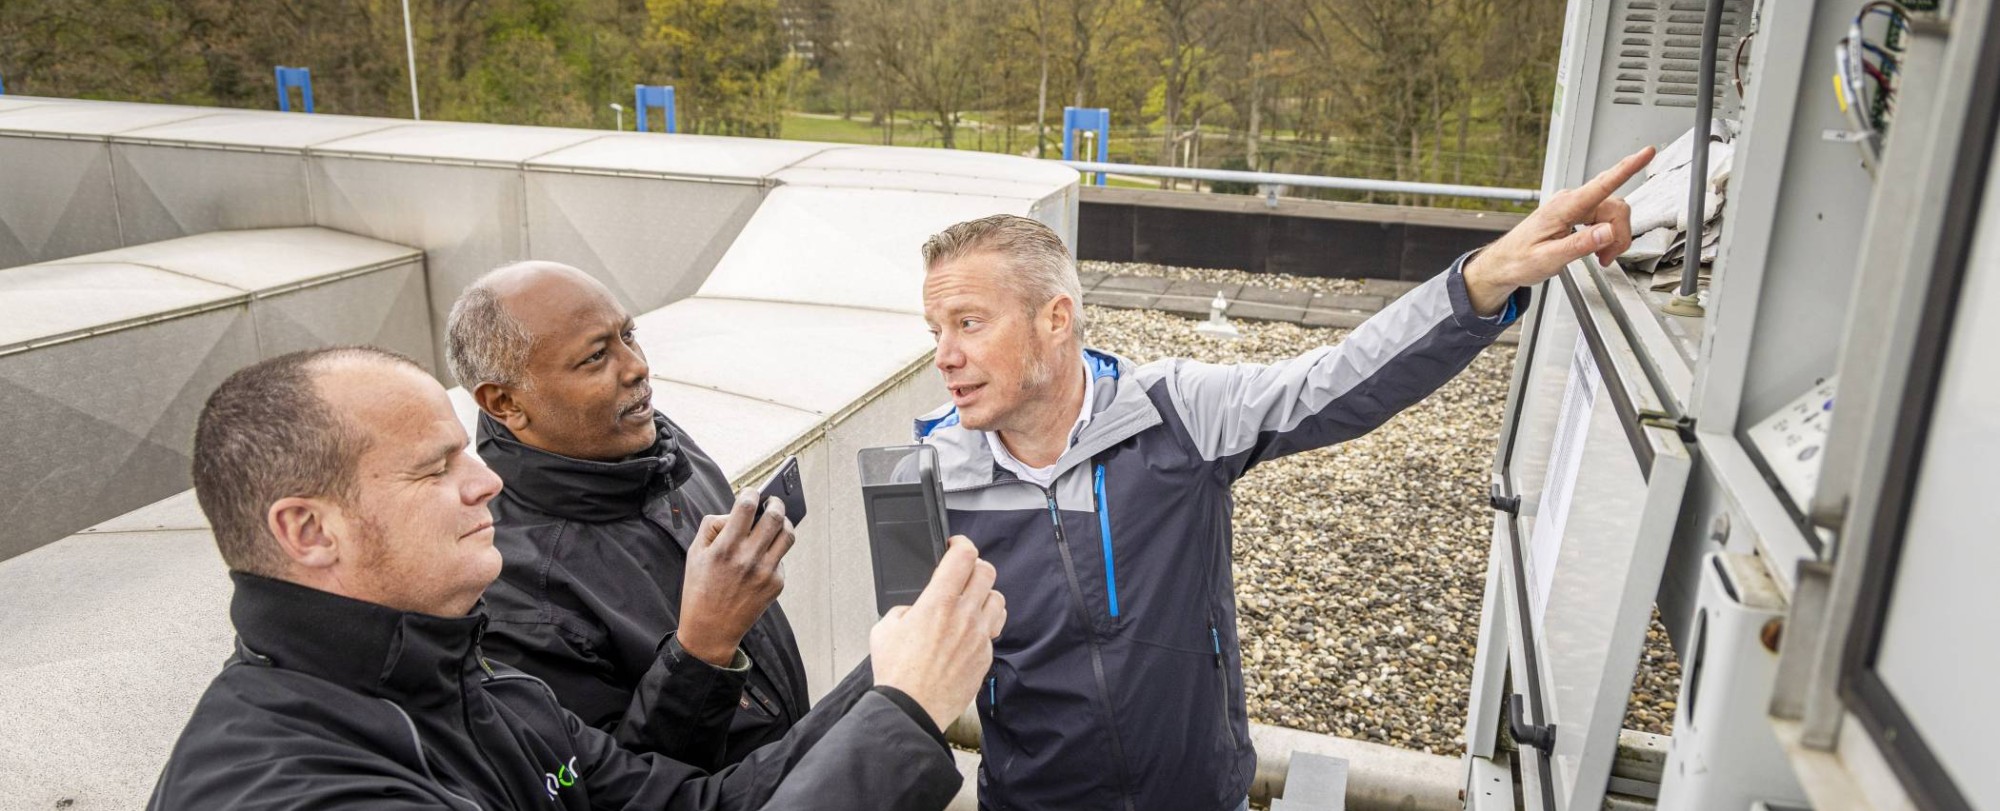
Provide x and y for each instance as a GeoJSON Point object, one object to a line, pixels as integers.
{"type": "Point", "coordinates": [1360, 568]}
{"type": "Point", "coordinates": [1276, 281]}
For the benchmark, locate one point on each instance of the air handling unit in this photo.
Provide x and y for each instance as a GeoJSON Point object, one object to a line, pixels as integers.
{"type": "Point", "coordinates": [1771, 420]}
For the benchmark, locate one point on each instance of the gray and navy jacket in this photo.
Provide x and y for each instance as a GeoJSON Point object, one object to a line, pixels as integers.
{"type": "Point", "coordinates": [1117, 682]}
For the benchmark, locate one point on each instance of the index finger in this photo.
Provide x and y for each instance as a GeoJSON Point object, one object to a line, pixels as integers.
{"type": "Point", "coordinates": [948, 581]}
{"type": "Point", "coordinates": [1576, 206]}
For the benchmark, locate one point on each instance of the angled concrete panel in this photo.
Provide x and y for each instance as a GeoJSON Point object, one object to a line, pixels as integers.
{"type": "Point", "coordinates": [101, 426]}
{"type": "Point", "coordinates": [651, 240]}
{"type": "Point", "coordinates": [167, 192]}
{"type": "Point", "coordinates": [106, 359]}
{"type": "Point", "coordinates": [466, 219]}
{"type": "Point", "coordinates": [73, 210]}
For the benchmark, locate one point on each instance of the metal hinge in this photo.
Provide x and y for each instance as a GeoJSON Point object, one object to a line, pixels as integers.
{"type": "Point", "coordinates": [1682, 426]}
{"type": "Point", "coordinates": [1510, 505]}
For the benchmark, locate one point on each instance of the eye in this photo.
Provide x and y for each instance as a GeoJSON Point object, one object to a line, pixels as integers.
{"type": "Point", "coordinates": [967, 323]}
{"type": "Point", "coordinates": [626, 336]}
{"type": "Point", "coordinates": [594, 357]}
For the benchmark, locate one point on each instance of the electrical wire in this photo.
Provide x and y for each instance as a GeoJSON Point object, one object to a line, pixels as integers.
{"type": "Point", "coordinates": [1736, 63]}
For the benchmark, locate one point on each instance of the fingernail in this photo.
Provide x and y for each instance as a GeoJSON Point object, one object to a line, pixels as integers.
{"type": "Point", "coordinates": [1601, 235]}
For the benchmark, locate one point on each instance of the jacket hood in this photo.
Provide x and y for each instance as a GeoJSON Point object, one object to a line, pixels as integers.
{"type": "Point", "coordinates": [580, 489]}
{"type": "Point", "coordinates": [1120, 411]}
{"type": "Point", "coordinates": [413, 659]}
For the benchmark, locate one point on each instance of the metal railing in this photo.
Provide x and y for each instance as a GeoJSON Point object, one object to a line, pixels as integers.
{"type": "Point", "coordinates": [1268, 179]}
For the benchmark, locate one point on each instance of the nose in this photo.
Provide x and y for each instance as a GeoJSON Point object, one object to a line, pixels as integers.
{"type": "Point", "coordinates": [949, 356]}
{"type": "Point", "coordinates": [636, 370]}
{"type": "Point", "coordinates": [482, 485]}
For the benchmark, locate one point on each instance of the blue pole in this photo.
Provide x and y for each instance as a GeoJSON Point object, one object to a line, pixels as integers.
{"type": "Point", "coordinates": [285, 94]}
{"type": "Point", "coordinates": [673, 117]}
{"type": "Point", "coordinates": [1103, 140]}
{"type": "Point", "coordinates": [639, 103]}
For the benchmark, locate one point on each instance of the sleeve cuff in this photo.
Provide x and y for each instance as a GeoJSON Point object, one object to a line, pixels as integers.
{"type": "Point", "coordinates": [1462, 313]}
{"type": "Point", "coordinates": [739, 664]}
{"type": "Point", "coordinates": [911, 708]}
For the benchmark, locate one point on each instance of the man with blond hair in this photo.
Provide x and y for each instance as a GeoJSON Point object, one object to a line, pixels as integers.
{"type": "Point", "coordinates": [1101, 490]}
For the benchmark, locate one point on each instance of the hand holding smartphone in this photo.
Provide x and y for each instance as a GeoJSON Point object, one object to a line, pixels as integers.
{"type": "Point", "coordinates": [785, 486]}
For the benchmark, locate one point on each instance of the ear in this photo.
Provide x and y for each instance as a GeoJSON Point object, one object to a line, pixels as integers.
{"type": "Point", "coordinates": [499, 403]}
{"type": "Point", "coordinates": [310, 531]}
{"type": "Point", "coordinates": [1060, 315]}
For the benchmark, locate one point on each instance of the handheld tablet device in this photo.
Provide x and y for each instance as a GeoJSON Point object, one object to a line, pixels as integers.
{"type": "Point", "coordinates": [907, 525]}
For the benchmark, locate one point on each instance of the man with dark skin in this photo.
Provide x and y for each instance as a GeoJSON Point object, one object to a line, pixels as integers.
{"type": "Point", "coordinates": [634, 584]}
{"type": "Point", "coordinates": [359, 539]}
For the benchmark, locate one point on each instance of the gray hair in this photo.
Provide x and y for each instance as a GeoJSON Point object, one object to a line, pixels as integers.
{"type": "Point", "coordinates": [1038, 262]}
{"type": "Point", "coordinates": [483, 342]}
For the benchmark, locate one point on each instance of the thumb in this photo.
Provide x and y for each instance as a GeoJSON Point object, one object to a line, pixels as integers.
{"type": "Point", "coordinates": [1581, 244]}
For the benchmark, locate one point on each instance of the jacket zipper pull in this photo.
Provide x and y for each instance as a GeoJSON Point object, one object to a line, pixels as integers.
{"type": "Point", "coordinates": [992, 696]}
{"type": "Point", "coordinates": [1216, 639]}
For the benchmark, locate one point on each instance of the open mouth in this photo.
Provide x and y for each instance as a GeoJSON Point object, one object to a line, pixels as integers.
{"type": "Point", "coordinates": [964, 391]}
{"type": "Point", "coordinates": [643, 406]}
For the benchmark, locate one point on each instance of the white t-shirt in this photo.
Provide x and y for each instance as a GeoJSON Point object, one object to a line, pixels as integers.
{"type": "Point", "coordinates": [1044, 476]}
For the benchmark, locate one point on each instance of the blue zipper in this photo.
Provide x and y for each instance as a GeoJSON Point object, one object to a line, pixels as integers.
{"type": "Point", "coordinates": [1104, 528]}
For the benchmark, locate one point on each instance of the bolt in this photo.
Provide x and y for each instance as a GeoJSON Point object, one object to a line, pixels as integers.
{"type": "Point", "coordinates": [1772, 634]}
{"type": "Point", "coordinates": [1718, 530]}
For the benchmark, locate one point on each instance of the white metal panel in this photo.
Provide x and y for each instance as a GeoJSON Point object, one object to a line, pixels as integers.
{"type": "Point", "coordinates": [843, 247]}
{"type": "Point", "coordinates": [385, 307]}
{"type": "Point", "coordinates": [258, 260]}
{"type": "Point", "coordinates": [101, 426]}
{"type": "Point", "coordinates": [72, 209]}
{"type": "Point", "coordinates": [873, 178]}
{"type": "Point", "coordinates": [814, 358]}
{"type": "Point", "coordinates": [740, 433]}
{"type": "Point", "coordinates": [459, 142]}
{"type": "Point", "coordinates": [255, 129]}
{"type": "Point", "coordinates": [1937, 647]}
{"type": "Point", "coordinates": [167, 192]}
{"type": "Point", "coordinates": [94, 119]}
{"type": "Point", "coordinates": [40, 302]}
{"type": "Point", "coordinates": [693, 156]}
{"type": "Point", "coordinates": [467, 219]}
{"type": "Point", "coordinates": [651, 240]}
{"type": "Point", "coordinates": [1048, 175]}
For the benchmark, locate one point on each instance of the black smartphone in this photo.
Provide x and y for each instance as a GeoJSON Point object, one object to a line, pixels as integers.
{"type": "Point", "coordinates": [784, 486]}
{"type": "Point", "coordinates": [903, 497]}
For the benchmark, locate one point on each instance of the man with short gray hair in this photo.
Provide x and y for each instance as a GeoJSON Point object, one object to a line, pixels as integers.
{"type": "Point", "coordinates": [1100, 488]}
{"type": "Point", "coordinates": [634, 582]}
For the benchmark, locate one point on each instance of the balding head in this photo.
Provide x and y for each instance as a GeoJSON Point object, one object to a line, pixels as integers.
{"type": "Point", "coordinates": [547, 350]}
{"type": "Point", "coordinates": [268, 433]}
{"type": "Point", "coordinates": [485, 341]}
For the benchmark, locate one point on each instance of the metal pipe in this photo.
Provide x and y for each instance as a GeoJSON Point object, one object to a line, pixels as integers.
{"type": "Point", "coordinates": [1379, 777]}
{"type": "Point", "coordinates": [1310, 181]}
{"type": "Point", "coordinates": [1704, 119]}
{"type": "Point", "coordinates": [410, 48]}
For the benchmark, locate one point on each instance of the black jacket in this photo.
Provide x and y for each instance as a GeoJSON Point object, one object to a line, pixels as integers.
{"type": "Point", "coordinates": [337, 703]}
{"type": "Point", "coordinates": [589, 597]}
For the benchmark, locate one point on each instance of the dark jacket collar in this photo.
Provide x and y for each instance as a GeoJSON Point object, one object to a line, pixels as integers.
{"type": "Point", "coordinates": [580, 489]}
{"type": "Point", "coordinates": [410, 658]}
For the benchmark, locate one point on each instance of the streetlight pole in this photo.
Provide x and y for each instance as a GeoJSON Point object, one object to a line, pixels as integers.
{"type": "Point", "coordinates": [621, 115]}
{"type": "Point", "coordinates": [410, 47]}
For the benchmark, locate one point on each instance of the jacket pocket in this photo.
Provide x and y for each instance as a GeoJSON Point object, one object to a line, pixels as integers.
{"type": "Point", "coordinates": [1105, 539]}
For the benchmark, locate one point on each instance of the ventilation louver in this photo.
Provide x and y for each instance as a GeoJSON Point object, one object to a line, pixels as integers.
{"type": "Point", "coordinates": [1658, 43]}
